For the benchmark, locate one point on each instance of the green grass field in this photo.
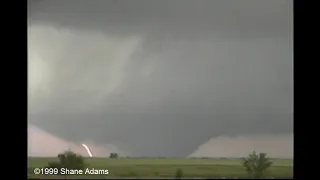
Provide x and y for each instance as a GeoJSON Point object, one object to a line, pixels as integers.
{"type": "Point", "coordinates": [193, 167]}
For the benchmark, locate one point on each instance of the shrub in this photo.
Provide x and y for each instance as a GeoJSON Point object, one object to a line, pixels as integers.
{"type": "Point", "coordinates": [256, 165]}
{"type": "Point", "coordinates": [179, 173]}
{"type": "Point", "coordinates": [69, 160]}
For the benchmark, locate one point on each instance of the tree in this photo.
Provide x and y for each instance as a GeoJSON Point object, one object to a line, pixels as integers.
{"type": "Point", "coordinates": [113, 155]}
{"type": "Point", "coordinates": [256, 165]}
{"type": "Point", "coordinates": [70, 160]}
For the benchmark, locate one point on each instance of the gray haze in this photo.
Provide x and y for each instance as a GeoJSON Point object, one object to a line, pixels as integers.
{"type": "Point", "coordinates": [160, 77]}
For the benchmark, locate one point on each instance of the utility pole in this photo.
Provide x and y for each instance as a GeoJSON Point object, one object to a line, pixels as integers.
{"type": "Point", "coordinates": [69, 146]}
{"type": "Point", "coordinates": [69, 130]}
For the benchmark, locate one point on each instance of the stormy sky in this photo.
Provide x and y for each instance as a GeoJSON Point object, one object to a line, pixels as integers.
{"type": "Point", "coordinates": [160, 77]}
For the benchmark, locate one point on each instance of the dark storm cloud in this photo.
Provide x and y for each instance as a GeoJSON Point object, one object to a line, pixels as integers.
{"type": "Point", "coordinates": [247, 18]}
{"type": "Point", "coordinates": [187, 71]}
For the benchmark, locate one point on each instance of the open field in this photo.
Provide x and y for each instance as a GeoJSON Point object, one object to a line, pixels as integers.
{"type": "Point", "coordinates": [145, 167]}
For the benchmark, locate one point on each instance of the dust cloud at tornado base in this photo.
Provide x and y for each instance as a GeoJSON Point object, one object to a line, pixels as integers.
{"type": "Point", "coordinates": [161, 82]}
